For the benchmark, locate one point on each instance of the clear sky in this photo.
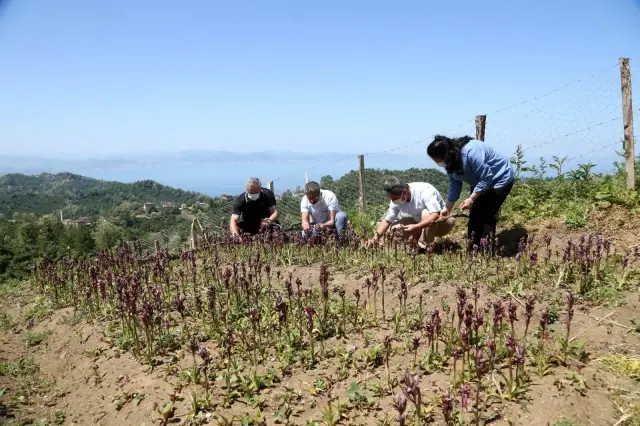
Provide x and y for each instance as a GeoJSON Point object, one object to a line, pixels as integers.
{"type": "Point", "coordinates": [92, 77]}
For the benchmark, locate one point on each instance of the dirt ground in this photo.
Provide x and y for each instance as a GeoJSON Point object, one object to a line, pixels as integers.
{"type": "Point", "coordinates": [65, 372]}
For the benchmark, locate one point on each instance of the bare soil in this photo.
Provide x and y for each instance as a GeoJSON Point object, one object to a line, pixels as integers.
{"type": "Point", "coordinates": [80, 376]}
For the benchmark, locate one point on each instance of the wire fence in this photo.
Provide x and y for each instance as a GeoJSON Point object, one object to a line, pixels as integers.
{"type": "Point", "coordinates": [579, 122]}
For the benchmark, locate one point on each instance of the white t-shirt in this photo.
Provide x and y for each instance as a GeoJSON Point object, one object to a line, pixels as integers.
{"type": "Point", "coordinates": [423, 196]}
{"type": "Point", "coordinates": [319, 211]}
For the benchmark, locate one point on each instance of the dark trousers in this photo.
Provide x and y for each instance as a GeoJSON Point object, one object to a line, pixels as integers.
{"type": "Point", "coordinates": [484, 213]}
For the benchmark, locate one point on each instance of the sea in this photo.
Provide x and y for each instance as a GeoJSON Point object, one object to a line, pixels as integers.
{"type": "Point", "coordinates": [217, 179]}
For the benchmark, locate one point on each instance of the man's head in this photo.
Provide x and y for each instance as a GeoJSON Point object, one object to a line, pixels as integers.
{"type": "Point", "coordinates": [396, 190]}
{"type": "Point", "coordinates": [312, 191]}
{"type": "Point", "coordinates": [254, 188]}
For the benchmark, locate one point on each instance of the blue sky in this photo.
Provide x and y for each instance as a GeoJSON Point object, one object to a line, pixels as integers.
{"type": "Point", "coordinates": [91, 78]}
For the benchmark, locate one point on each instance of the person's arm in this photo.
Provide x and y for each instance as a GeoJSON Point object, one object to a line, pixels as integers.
{"type": "Point", "coordinates": [332, 220]}
{"type": "Point", "coordinates": [273, 209]}
{"type": "Point", "coordinates": [475, 159]}
{"type": "Point", "coordinates": [455, 189]}
{"type": "Point", "coordinates": [304, 212]}
{"type": "Point", "coordinates": [332, 205]}
{"type": "Point", "coordinates": [235, 215]}
{"type": "Point", "coordinates": [426, 221]}
{"type": "Point", "coordinates": [383, 227]}
{"type": "Point", "coordinates": [432, 205]}
{"type": "Point", "coordinates": [233, 224]}
{"type": "Point", "coordinates": [386, 222]}
{"type": "Point", "coordinates": [274, 214]}
{"type": "Point", "coordinates": [306, 224]}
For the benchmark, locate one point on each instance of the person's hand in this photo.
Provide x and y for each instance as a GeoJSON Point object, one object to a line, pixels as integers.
{"type": "Point", "coordinates": [444, 214]}
{"type": "Point", "coordinates": [371, 242]}
{"type": "Point", "coordinates": [319, 226]}
{"type": "Point", "coordinates": [466, 204]}
{"type": "Point", "coordinates": [397, 229]}
{"type": "Point", "coordinates": [409, 229]}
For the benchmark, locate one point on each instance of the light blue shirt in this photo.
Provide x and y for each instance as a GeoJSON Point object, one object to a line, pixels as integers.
{"type": "Point", "coordinates": [482, 168]}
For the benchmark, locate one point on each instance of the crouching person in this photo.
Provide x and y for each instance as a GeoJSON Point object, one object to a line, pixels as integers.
{"type": "Point", "coordinates": [423, 205]}
{"type": "Point", "coordinates": [320, 210]}
{"type": "Point", "coordinates": [254, 210]}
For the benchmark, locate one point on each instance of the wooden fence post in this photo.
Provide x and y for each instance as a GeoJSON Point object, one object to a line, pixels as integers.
{"type": "Point", "coordinates": [270, 185]}
{"type": "Point", "coordinates": [156, 245]}
{"type": "Point", "coordinates": [194, 235]}
{"type": "Point", "coordinates": [361, 179]}
{"type": "Point", "coordinates": [627, 121]}
{"type": "Point", "coordinates": [481, 125]}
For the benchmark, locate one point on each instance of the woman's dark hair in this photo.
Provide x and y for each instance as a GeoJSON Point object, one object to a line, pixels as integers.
{"type": "Point", "coordinates": [449, 150]}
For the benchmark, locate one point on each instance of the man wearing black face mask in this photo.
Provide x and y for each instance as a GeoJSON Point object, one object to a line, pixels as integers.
{"type": "Point", "coordinates": [253, 208]}
{"type": "Point", "coordinates": [422, 204]}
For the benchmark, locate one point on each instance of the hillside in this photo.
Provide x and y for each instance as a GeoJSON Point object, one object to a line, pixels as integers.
{"type": "Point", "coordinates": [78, 195]}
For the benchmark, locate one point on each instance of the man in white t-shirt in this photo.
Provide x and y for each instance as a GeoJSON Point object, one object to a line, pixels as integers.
{"type": "Point", "coordinates": [422, 205]}
{"type": "Point", "coordinates": [320, 209]}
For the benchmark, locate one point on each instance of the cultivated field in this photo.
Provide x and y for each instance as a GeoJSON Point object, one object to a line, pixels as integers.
{"type": "Point", "coordinates": [285, 332]}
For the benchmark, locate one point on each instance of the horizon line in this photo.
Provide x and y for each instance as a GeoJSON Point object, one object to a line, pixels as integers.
{"type": "Point", "coordinates": [74, 155]}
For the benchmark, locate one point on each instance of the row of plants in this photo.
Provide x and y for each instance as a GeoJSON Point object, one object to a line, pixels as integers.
{"type": "Point", "coordinates": [248, 318]}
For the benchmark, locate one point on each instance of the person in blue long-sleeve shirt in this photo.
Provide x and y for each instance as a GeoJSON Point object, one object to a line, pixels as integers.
{"type": "Point", "coordinates": [488, 173]}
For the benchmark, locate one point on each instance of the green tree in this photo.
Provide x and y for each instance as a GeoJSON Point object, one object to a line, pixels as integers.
{"type": "Point", "coordinates": [50, 235]}
{"type": "Point", "coordinates": [80, 241]}
{"type": "Point", "coordinates": [326, 181]}
{"type": "Point", "coordinates": [108, 236]}
{"type": "Point", "coordinates": [127, 209]}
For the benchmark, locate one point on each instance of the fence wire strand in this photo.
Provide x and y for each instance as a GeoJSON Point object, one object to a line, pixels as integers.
{"type": "Point", "coordinates": [578, 121]}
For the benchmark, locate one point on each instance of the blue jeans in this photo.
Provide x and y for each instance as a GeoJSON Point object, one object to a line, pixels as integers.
{"type": "Point", "coordinates": [340, 225]}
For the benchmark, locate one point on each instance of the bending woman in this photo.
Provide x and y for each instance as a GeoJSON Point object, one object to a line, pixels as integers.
{"type": "Point", "coordinates": [488, 173]}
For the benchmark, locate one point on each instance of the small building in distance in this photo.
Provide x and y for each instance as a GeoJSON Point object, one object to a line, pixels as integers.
{"type": "Point", "coordinates": [227, 197]}
{"type": "Point", "coordinates": [148, 207]}
{"type": "Point", "coordinates": [83, 221]}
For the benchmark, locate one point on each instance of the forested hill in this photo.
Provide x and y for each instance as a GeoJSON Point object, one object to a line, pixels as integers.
{"type": "Point", "coordinates": [80, 196]}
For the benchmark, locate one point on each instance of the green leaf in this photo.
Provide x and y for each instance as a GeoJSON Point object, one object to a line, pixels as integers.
{"type": "Point", "coordinates": [602, 195]}
{"type": "Point", "coordinates": [355, 390]}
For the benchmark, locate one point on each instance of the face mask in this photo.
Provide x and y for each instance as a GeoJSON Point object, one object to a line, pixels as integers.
{"type": "Point", "coordinates": [441, 164]}
{"type": "Point", "coordinates": [253, 197]}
